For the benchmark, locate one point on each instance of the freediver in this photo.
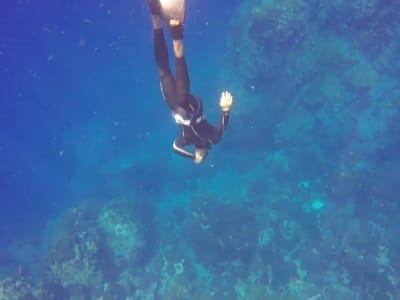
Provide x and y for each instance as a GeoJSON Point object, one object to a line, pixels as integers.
{"type": "Point", "coordinates": [186, 108]}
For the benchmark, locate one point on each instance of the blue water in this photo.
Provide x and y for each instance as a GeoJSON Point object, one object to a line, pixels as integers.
{"type": "Point", "coordinates": [298, 201]}
{"type": "Point", "coordinates": [67, 65]}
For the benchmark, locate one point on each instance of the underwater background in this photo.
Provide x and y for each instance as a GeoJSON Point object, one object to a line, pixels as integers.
{"type": "Point", "coordinates": [300, 200]}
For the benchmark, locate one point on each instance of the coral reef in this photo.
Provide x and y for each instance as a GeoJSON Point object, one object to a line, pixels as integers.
{"type": "Point", "coordinates": [221, 250]}
{"type": "Point", "coordinates": [122, 234]}
{"type": "Point", "coordinates": [19, 288]}
{"type": "Point", "coordinates": [79, 256]}
{"type": "Point", "coordinates": [294, 45]}
{"type": "Point", "coordinates": [95, 244]}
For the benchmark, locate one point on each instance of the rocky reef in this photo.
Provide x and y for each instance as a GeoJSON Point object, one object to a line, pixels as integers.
{"type": "Point", "coordinates": [218, 249]}
{"type": "Point", "coordinates": [318, 67]}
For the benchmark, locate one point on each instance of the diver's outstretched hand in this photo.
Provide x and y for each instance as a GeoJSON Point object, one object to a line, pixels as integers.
{"type": "Point", "coordinates": [226, 101]}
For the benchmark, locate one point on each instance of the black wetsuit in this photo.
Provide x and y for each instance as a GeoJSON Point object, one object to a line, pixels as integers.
{"type": "Point", "coordinates": [186, 108]}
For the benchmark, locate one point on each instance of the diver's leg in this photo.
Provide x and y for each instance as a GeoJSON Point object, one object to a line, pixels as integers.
{"type": "Point", "coordinates": [155, 7]}
{"type": "Point", "coordinates": [167, 80]}
{"type": "Point", "coordinates": [182, 75]}
{"type": "Point", "coordinates": [160, 47]}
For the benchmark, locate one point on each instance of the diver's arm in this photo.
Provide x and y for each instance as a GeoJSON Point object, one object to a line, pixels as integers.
{"type": "Point", "coordinates": [219, 129]}
{"type": "Point", "coordinates": [225, 104]}
{"type": "Point", "coordinates": [179, 148]}
{"type": "Point", "coordinates": [224, 120]}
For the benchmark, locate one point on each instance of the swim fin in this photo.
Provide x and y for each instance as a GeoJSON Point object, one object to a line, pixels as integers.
{"type": "Point", "coordinates": [173, 9]}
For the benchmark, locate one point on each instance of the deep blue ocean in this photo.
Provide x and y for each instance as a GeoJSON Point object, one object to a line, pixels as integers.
{"type": "Point", "coordinates": [299, 200]}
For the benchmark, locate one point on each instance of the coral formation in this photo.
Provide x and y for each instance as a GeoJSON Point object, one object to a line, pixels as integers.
{"type": "Point", "coordinates": [81, 268]}
{"type": "Point", "coordinates": [79, 255]}
{"type": "Point", "coordinates": [121, 233]}
{"type": "Point", "coordinates": [94, 245]}
{"type": "Point", "coordinates": [20, 288]}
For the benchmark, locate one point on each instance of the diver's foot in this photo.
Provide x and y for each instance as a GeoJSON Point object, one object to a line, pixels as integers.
{"type": "Point", "coordinates": [176, 29]}
{"type": "Point", "coordinates": [155, 7]}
